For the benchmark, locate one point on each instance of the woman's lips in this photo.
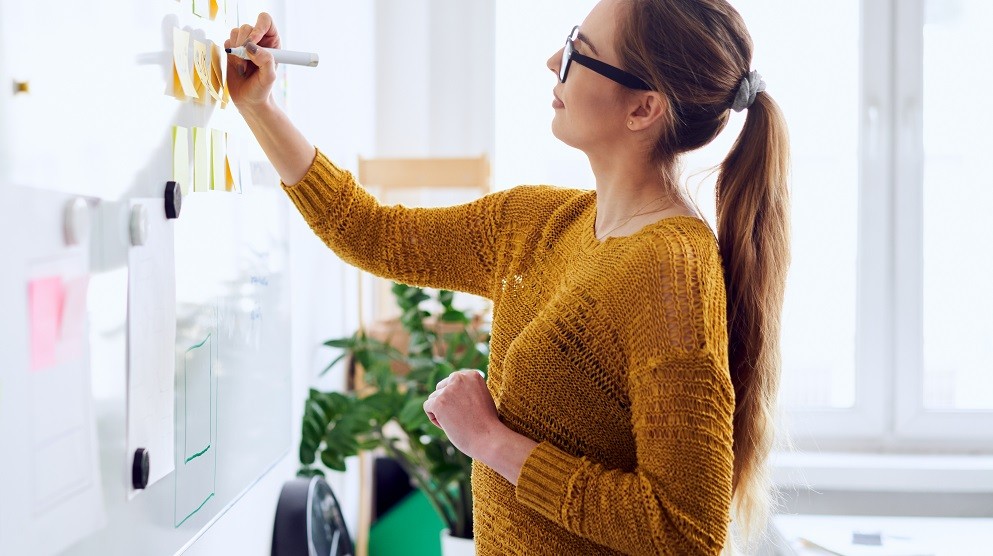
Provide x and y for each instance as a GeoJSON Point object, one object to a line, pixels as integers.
{"type": "Point", "coordinates": [557, 103]}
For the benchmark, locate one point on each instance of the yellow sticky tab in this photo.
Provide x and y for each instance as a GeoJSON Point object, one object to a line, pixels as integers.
{"type": "Point", "coordinates": [214, 9]}
{"type": "Point", "coordinates": [182, 85]}
{"type": "Point", "coordinates": [201, 63]}
{"type": "Point", "coordinates": [214, 83]}
{"type": "Point", "coordinates": [217, 155]}
{"type": "Point", "coordinates": [181, 157]}
{"type": "Point", "coordinates": [201, 159]}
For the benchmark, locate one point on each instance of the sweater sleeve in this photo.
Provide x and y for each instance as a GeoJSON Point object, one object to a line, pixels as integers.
{"type": "Point", "coordinates": [677, 499]}
{"type": "Point", "coordinates": [452, 248]}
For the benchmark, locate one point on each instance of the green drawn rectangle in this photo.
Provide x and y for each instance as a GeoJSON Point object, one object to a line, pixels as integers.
{"type": "Point", "coordinates": [192, 453]}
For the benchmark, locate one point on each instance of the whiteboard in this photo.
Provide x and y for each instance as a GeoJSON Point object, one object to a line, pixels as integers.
{"type": "Point", "coordinates": [97, 125]}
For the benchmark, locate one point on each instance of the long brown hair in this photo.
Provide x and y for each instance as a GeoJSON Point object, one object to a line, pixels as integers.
{"type": "Point", "coordinates": [697, 52]}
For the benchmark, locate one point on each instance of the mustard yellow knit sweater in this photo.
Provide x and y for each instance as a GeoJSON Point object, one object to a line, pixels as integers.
{"type": "Point", "coordinates": [612, 355]}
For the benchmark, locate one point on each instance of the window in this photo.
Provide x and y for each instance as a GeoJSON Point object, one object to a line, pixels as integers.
{"type": "Point", "coordinates": [887, 340]}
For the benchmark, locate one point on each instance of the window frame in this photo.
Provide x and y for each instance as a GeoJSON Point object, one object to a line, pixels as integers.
{"type": "Point", "coordinates": [889, 413]}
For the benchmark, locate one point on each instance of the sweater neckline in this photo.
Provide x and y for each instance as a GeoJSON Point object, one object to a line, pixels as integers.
{"type": "Point", "coordinates": [589, 228]}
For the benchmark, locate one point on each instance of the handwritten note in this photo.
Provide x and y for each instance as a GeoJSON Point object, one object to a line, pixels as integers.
{"type": "Point", "coordinates": [201, 77]}
{"type": "Point", "coordinates": [181, 157]}
{"type": "Point", "coordinates": [225, 93]}
{"type": "Point", "coordinates": [201, 159]}
{"type": "Point", "coordinates": [182, 86]}
{"type": "Point", "coordinates": [216, 83]}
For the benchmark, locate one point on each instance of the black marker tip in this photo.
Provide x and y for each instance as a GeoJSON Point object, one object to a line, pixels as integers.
{"type": "Point", "coordinates": [228, 50]}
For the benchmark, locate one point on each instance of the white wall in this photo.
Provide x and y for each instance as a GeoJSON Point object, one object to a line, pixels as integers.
{"type": "Point", "coordinates": [434, 69]}
{"type": "Point", "coordinates": [526, 150]}
{"type": "Point", "coordinates": [333, 106]}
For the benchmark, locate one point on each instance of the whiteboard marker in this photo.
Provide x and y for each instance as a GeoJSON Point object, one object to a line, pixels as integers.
{"type": "Point", "coordinates": [281, 56]}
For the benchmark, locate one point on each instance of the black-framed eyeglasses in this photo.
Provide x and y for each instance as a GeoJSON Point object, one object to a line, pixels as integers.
{"type": "Point", "coordinates": [616, 74]}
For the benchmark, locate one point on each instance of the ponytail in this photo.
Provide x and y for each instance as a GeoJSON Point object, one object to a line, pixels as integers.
{"type": "Point", "coordinates": [753, 230]}
{"type": "Point", "coordinates": [699, 53]}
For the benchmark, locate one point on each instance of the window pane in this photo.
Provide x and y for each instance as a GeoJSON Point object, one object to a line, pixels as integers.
{"type": "Point", "coordinates": [794, 43]}
{"type": "Point", "coordinates": [958, 198]}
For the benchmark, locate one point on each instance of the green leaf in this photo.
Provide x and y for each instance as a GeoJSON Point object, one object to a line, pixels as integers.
{"type": "Point", "coordinates": [344, 343]}
{"type": "Point", "coordinates": [454, 315]}
{"type": "Point", "coordinates": [313, 408]}
{"type": "Point", "coordinates": [412, 415]}
{"type": "Point", "coordinates": [310, 429]}
{"type": "Point", "coordinates": [333, 461]}
{"type": "Point", "coordinates": [333, 363]}
{"type": "Point", "coordinates": [447, 473]}
{"type": "Point", "coordinates": [370, 443]}
{"type": "Point", "coordinates": [307, 454]}
{"type": "Point", "coordinates": [415, 296]}
{"type": "Point", "coordinates": [340, 442]}
{"type": "Point", "coordinates": [446, 297]}
{"type": "Point", "coordinates": [309, 472]}
{"type": "Point", "coordinates": [382, 405]}
{"type": "Point", "coordinates": [434, 452]}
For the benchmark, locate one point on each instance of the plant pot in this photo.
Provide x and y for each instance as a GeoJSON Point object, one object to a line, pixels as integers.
{"type": "Point", "coordinates": [454, 546]}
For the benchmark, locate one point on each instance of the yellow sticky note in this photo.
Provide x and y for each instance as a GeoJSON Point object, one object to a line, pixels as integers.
{"type": "Point", "coordinates": [201, 63]}
{"type": "Point", "coordinates": [217, 156]}
{"type": "Point", "coordinates": [181, 157]}
{"type": "Point", "coordinates": [225, 93]}
{"type": "Point", "coordinates": [182, 84]}
{"type": "Point", "coordinates": [229, 176]}
{"type": "Point", "coordinates": [214, 9]}
{"type": "Point", "coordinates": [201, 7]}
{"type": "Point", "coordinates": [214, 85]}
{"type": "Point", "coordinates": [201, 159]}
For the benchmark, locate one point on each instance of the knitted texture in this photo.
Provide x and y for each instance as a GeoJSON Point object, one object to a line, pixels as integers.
{"type": "Point", "coordinates": [611, 354]}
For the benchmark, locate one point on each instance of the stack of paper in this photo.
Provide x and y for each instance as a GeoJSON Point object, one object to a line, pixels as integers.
{"type": "Point", "coordinates": [843, 544]}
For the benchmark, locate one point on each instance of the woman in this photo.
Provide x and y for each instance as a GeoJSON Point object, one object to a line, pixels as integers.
{"type": "Point", "coordinates": [634, 359]}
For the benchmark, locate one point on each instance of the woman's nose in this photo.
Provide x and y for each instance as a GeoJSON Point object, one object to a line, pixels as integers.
{"type": "Point", "coordinates": [554, 61]}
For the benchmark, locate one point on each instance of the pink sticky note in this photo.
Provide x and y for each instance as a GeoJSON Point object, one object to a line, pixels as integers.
{"type": "Point", "coordinates": [45, 297]}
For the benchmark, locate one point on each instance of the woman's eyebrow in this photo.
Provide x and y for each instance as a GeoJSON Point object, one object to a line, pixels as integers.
{"type": "Point", "coordinates": [581, 37]}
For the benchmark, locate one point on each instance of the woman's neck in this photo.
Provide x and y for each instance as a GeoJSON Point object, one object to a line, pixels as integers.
{"type": "Point", "coordinates": [626, 187]}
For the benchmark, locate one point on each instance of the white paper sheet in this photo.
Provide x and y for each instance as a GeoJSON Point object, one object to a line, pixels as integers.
{"type": "Point", "coordinates": [152, 344]}
{"type": "Point", "coordinates": [65, 472]}
{"type": "Point", "coordinates": [47, 421]}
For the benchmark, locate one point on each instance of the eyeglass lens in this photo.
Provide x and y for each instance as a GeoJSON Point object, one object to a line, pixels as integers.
{"type": "Point", "coordinates": [567, 54]}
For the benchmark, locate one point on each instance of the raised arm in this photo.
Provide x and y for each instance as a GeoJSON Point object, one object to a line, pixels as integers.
{"type": "Point", "coordinates": [250, 83]}
{"type": "Point", "coordinates": [455, 248]}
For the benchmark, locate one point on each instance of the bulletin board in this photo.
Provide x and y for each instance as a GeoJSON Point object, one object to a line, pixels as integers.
{"type": "Point", "coordinates": [145, 371]}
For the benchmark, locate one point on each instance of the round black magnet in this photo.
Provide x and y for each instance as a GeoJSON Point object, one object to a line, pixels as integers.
{"type": "Point", "coordinates": [139, 469]}
{"type": "Point", "coordinates": [173, 199]}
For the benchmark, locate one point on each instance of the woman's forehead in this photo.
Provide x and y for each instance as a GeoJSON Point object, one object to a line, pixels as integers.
{"type": "Point", "coordinates": [600, 25]}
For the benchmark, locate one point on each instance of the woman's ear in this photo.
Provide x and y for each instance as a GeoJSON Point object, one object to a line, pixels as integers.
{"type": "Point", "coordinates": [650, 108]}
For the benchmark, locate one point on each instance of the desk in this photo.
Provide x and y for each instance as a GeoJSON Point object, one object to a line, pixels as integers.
{"type": "Point", "coordinates": [943, 536]}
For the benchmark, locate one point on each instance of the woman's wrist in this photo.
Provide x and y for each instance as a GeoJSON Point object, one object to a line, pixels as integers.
{"type": "Point", "coordinates": [505, 451]}
{"type": "Point", "coordinates": [258, 111]}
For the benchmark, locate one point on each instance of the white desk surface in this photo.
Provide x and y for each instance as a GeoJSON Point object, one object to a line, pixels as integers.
{"type": "Point", "coordinates": [942, 536]}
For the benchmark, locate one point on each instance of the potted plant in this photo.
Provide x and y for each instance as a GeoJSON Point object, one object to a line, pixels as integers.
{"type": "Point", "coordinates": [386, 411]}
